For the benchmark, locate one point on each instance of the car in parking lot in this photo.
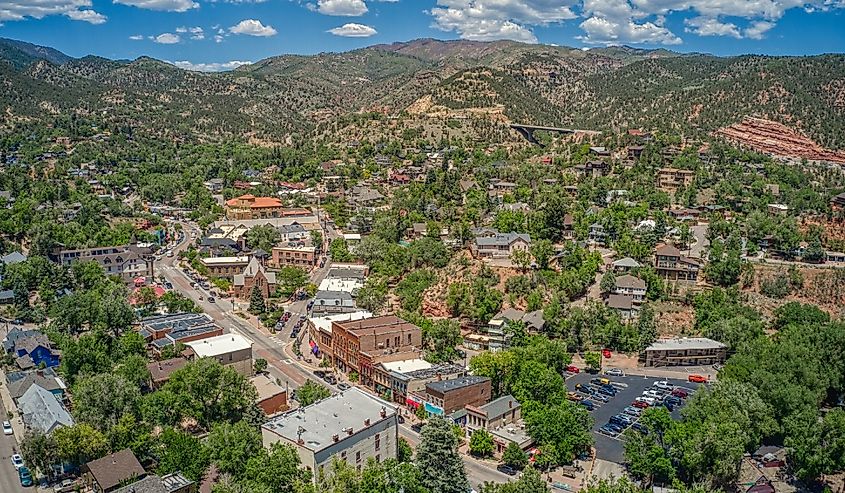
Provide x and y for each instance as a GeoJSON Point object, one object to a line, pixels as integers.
{"type": "Point", "coordinates": [680, 393]}
{"type": "Point", "coordinates": [600, 381]}
{"type": "Point", "coordinates": [640, 404]}
{"type": "Point", "coordinates": [698, 379]}
{"type": "Point", "coordinates": [25, 477]}
{"type": "Point", "coordinates": [7, 428]}
{"type": "Point", "coordinates": [621, 420]}
{"type": "Point", "coordinates": [573, 396]}
{"type": "Point", "coordinates": [606, 391]}
{"type": "Point", "coordinates": [632, 411]}
{"type": "Point", "coordinates": [663, 385]}
{"type": "Point", "coordinates": [599, 397]}
{"type": "Point", "coordinates": [672, 400]}
{"type": "Point", "coordinates": [615, 372]}
{"type": "Point", "coordinates": [640, 427]}
{"type": "Point", "coordinates": [652, 394]}
{"type": "Point", "coordinates": [609, 431]}
{"type": "Point", "coordinates": [17, 461]}
{"type": "Point", "coordinates": [588, 404]}
{"type": "Point", "coordinates": [506, 469]}
{"type": "Point", "coordinates": [648, 400]}
{"type": "Point", "coordinates": [616, 427]}
{"type": "Point", "coordinates": [573, 369]}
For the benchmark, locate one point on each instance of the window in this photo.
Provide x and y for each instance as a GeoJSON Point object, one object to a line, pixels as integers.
{"type": "Point", "coordinates": [378, 442]}
{"type": "Point", "coordinates": [343, 455]}
{"type": "Point", "coordinates": [378, 458]}
{"type": "Point", "coordinates": [409, 338]}
{"type": "Point", "coordinates": [358, 457]}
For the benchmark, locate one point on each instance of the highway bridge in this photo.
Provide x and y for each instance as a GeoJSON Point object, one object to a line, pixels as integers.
{"type": "Point", "coordinates": [527, 131]}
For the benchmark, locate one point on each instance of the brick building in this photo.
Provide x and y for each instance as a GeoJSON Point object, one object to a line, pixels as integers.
{"type": "Point", "coordinates": [225, 267]}
{"type": "Point", "coordinates": [295, 255]}
{"type": "Point", "coordinates": [358, 345]}
{"type": "Point", "coordinates": [444, 397]}
{"type": "Point", "coordinates": [249, 206]}
{"type": "Point", "coordinates": [254, 275]}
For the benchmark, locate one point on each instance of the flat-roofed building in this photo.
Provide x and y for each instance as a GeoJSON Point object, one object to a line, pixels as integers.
{"type": "Point", "coordinates": [129, 262]}
{"type": "Point", "coordinates": [405, 380]}
{"type": "Point", "coordinates": [351, 426]}
{"type": "Point", "coordinates": [160, 371]}
{"type": "Point", "coordinates": [272, 397]}
{"type": "Point", "coordinates": [161, 331]}
{"type": "Point", "coordinates": [249, 206]}
{"type": "Point", "coordinates": [686, 351]}
{"type": "Point", "coordinates": [294, 255]}
{"type": "Point", "coordinates": [320, 331]}
{"type": "Point", "coordinates": [358, 345]}
{"type": "Point", "coordinates": [225, 267]}
{"type": "Point", "coordinates": [443, 397]}
{"type": "Point", "coordinates": [232, 350]}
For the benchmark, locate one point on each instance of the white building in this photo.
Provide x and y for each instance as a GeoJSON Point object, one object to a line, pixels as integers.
{"type": "Point", "coordinates": [229, 349]}
{"type": "Point", "coordinates": [352, 425]}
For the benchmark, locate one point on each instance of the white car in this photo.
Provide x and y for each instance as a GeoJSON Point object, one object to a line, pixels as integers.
{"type": "Point", "coordinates": [17, 461]}
{"type": "Point", "coordinates": [652, 394]}
{"type": "Point", "coordinates": [615, 372]}
{"type": "Point", "coordinates": [7, 428]}
{"type": "Point", "coordinates": [648, 400]}
{"type": "Point", "coordinates": [664, 385]}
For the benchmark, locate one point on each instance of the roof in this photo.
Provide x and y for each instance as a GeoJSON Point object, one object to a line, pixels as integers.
{"type": "Point", "coordinates": [241, 259]}
{"type": "Point", "coordinates": [29, 344]}
{"type": "Point", "coordinates": [407, 365]}
{"type": "Point", "coordinates": [155, 484]}
{"type": "Point", "coordinates": [13, 258]}
{"type": "Point", "coordinates": [444, 386]}
{"type": "Point", "coordinates": [16, 334]}
{"type": "Point", "coordinates": [498, 407]}
{"type": "Point", "coordinates": [668, 250]}
{"type": "Point", "coordinates": [332, 295]}
{"type": "Point", "coordinates": [215, 346]}
{"type": "Point", "coordinates": [620, 301]}
{"type": "Point", "coordinates": [377, 325]}
{"type": "Point", "coordinates": [317, 424]}
{"type": "Point", "coordinates": [42, 410]}
{"type": "Point", "coordinates": [48, 383]}
{"type": "Point", "coordinates": [160, 371]}
{"type": "Point", "coordinates": [627, 262]}
{"type": "Point", "coordinates": [685, 343]}
{"type": "Point", "coordinates": [325, 323]}
{"type": "Point", "coordinates": [265, 386]}
{"type": "Point", "coordinates": [251, 270]}
{"type": "Point", "coordinates": [630, 282]}
{"type": "Point", "coordinates": [501, 239]}
{"type": "Point", "coordinates": [113, 469]}
{"type": "Point", "coordinates": [255, 202]}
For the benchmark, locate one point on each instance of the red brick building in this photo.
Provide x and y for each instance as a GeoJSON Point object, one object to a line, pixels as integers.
{"type": "Point", "coordinates": [254, 275]}
{"type": "Point", "coordinates": [358, 345]}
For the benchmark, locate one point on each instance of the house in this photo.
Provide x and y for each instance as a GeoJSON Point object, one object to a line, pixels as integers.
{"type": "Point", "coordinates": [672, 266]}
{"type": "Point", "coordinates": [344, 277]}
{"type": "Point", "coordinates": [502, 417]}
{"type": "Point", "coordinates": [35, 351]}
{"type": "Point", "coordinates": [254, 276]}
{"type": "Point", "coordinates": [272, 398]}
{"type": "Point", "coordinates": [597, 234]}
{"type": "Point", "coordinates": [351, 426]}
{"type": "Point", "coordinates": [12, 258]}
{"type": "Point", "coordinates": [568, 227]}
{"type": "Point", "coordinates": [225, 267]}
{"type": "Point", "coordinates": [16, 334]}
{"type": "Point", "coordinates": [320, 331]}
{"type": "Point", "coordinates": [46, 380]}
{"type": "Point", "coordinates": [624, 306]}
{"type": "Point", "coordinates": [496, 330]}
{"type": "Point", "coordinates": [671, 179]}
{"type": "Point", "coordinates": [293, 255]}
{"type": "Point", "coordinates": [500, 245]}
{"type": "Point", "coordinates": [594, 168]}
{"type": "Point", "coordinates": [516, 207]}
{"type": "Point", "coordinates": [41, 410]}
{"type": "Point", "coordinates": [630, 285]}
{"type": "Point", "coordinates": [231, 350]}
{"type": "Point", "coordinates": [599, 151]}
{"type": "Point", "coordinates": [160, 371]}
{"type": "Point", "coordinates": [777, 209]}
{"type": "Point", "coordinates": [293, 232]}
{"type": "Point", "coordinates": [837, 203]}
{"type": "Point", "coordinates": [684, 215]}
{"type": "Point", "coordinates": [169, 483]}
{"type": "Point", "coordinates": [358, 345]}
{"type": "Point", "coordinates": [107, 474]}
{"type": "Point", "coordinates": [127, 262]}
{"type": "Point", "coordinates": [161, 331]}
{"type": "Point", "coordinates": [835, 257]}
{"type": "Point", "coordinates": [364, 197]}
{"type": "Point", "coordinates": [625, 265]}
{"type": "Point", "coordinates": [328, 302]}
{"type": "Point", "coordinates": [443, 397]}
{"type": "Point", "coordinates": [7, 296]}
{"type": "Point", "coordinates": [685, 351]}
{"type": "Point", "coordinates": [214, 185]}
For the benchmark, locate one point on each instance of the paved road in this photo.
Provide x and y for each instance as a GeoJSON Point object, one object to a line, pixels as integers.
{"type": "Point", "coordinates": [8, 475]}
{"type": "Point", "coordinates": [477, 473]}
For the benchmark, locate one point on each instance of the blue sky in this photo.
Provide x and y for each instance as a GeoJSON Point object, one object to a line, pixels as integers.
{"type": "Point", "coordinates": [219, 34]}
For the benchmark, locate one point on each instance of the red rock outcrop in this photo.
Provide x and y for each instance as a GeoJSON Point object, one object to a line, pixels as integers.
{"type": "Point", "coordinates": [778, 140]}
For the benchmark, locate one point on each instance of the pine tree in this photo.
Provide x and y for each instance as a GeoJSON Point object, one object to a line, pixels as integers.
{"type": "Point", "coordinates": [441, 467]}
{"type": "Point", "coordinates": [256, 301]}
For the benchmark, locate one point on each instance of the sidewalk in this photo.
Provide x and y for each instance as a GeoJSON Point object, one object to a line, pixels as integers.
{"type": "Point", "coordinates": [9, 406]}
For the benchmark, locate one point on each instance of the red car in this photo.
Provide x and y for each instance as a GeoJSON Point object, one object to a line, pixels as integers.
{"type": "Point", "coordinates": [640, 404]}
{"type": "Point", "coordinates": [680, 393]}
{"type": "Point", "coordinates": [573, 369]}
{"type": "Point", "coordinates": [606, 353]}
{"type": "Point", "coordinates": [697, 379]}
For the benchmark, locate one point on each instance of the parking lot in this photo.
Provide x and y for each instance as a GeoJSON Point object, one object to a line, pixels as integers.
{"type": "Point", "coordinates": [631, 387]}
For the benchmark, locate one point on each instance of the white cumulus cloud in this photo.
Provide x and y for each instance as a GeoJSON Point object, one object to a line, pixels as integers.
{"type": "Point", "coordinates": [758, 29]}
{"type": "Point", "coordinates": [708, 26]}
{"type": "Point", "coordinates": [194, 32]}
{"type": "Point", "coordinates": [136, 37]}
{"type": "Point", "coordinates": [486, 20]}
{"type": "Point", "coordinates": [89, 16]}
{"type": "Point", "coordinates": [78, 10]}
{"type": "Point", "coordinates": [346, 8]}
{"type": "Point", "coordinates": [167, 39]}
{"type": "Point", "coordinates": [352, 30]}
{"type": "Point", "coordinates": [161, 5]}
{"type": "Point", "coordinates": [209, 67]}
{"type": "Point", "coordinates": [252, 27]}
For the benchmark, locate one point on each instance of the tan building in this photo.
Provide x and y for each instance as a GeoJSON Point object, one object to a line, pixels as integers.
{"type": "Point", "coordinates": [231, 350]}
{"type": "Point", "coordinates": [359, 345]}
{"type": "Point", "coordinates": [673, 266]}
{"type": "Point", "coordinates": [686, 351]}
{"type": "Point", "coordinates": [671, 179]}
{"type": "Point", "coordinates": [128, 262]}
{"type": "Point", "coordinates": [502, 417]}
{"type": "Point", "coordinates": [293, 255]}
{"type": "Point", "coordinates": [225, 267]}
{"type": "Point", "coordinates": [249, 206]}
{"type": "Point", "coordinates": [254, 275]}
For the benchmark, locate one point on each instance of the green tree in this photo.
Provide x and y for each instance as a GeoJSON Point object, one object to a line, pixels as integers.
{"type": "Point", "coordinates": [260, 365]}
{"type": "Point", "coordinates": [608, 282]}
{"type": "Point", "coordinates": [514, 456]}
{"type": "Point", "coordinates": [311, 392]}
{"type": "Point", "coordinates": [101, 400]}
{"type": "Point", "coordinates": [373, 295]}
{"type": "Point", "coordinates": [404, 452]}
{"type": "Point", "coordinates": [231, 446]}
{"type": "Point", "coordinates": [481, 443]}
{"type": "Point", "coordinates": [79, 443]}
{"type": "Point", "coordinates": [180, 452]}
{"type": "Point", "coordinates": [542, 250]}
{"type": "Point", "coordinates": [39, 451]}
{"type": "Point", "coordinates": [562, 430]}
{"type": "Point", "coordinates": [263, 237]}
{"type": "Point", "coordinates": [593, 360]}
{"type": "Point", "coordinates": [276, 469]}
{"type": "Point", "coordinates": [256, 301]}
{"type": "Point", "coordinates": [440, 465]}
{"type": "Point", "coordinates": [521, 259]}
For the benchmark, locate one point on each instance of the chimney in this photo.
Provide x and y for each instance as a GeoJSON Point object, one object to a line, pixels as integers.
{"type": "Point", "coordinates": [349, 431]}
{"type": "Point", "coordinates": [335, 438]}
{"type": "Point", "coordinates": [383, 412]}
{"type": "Point", "coordinates": [510, 404]}
{"type": "Point", "coordinates": [367, 422]}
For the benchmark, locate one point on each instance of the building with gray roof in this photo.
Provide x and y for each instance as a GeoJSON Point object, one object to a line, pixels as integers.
{"type": "Point", "coordinates": [685, 351]}
{"type": "Point", "coordinates": [42, 411]}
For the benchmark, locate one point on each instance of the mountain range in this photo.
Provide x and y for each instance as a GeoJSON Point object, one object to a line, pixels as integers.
{"type": "Point", "coordinates": [491, 83]}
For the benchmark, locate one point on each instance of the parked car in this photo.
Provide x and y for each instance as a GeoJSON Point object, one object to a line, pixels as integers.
{"type": "Point", "coordinates": [25, 476]}
{"type": "Point", "coordinates": [588, 404]}
{"type": "Point", "coordinates": [615, 372]}
{"type": "Point", "coordinates": [640, 427]}
{"type": "Point", "coordinates": [632, 411]}
{"type": "Point", "coordinates": [652, 394]}
{"type": "Point", "coordinates": [583, 387]}
{"type": "Point", "coordinates": [7, 428]}
{"type": "Point", "coordinates": [343, 386]}
{"type": "Point", "coordinates": [417, 427]}
{"type": "Point", "coordinates": [600, 381]}
{"type": "Point", "coordinates": [640, 404]}
{"type": "Point", "coordinates": [615, 427]}
{"type": "Point", "coordinates": [648, 400]}
{"type": "Point", "coordinates": [330, 379]}
{"type": "Point", "coordinates": [506, 469]}
{"type": "Point", "coordinates": [683, 394]}
{"type": "Point", "coordinates": [319, 373]}
{"type": "Point", "coordinates": [607, 430]}
{"type": "Point", "coordinates": [663, 385]}
{"type": "Point", "coordinates": [600, 397]}
{"type": "Point", "coordinates": [572, 396]}
{"type": "Point", "coordinates": [698, 379]}
{"type": "Point", "coordinates": [606, 391]}
{"type": "Point", "coordinates": [211, 299]}
{"type": "Point", "coordinates": [17, 461]}
{"type": "Point", "coordinates": [672, 400]}
{"type": "Point", "coordinates": [400, 419]}
{"type": "Point", "coordinates": [621, 420]}
{"type": "Point", "coordinates": [610, 388]}
{"type": "Point", "coordinates": [573, 369]}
